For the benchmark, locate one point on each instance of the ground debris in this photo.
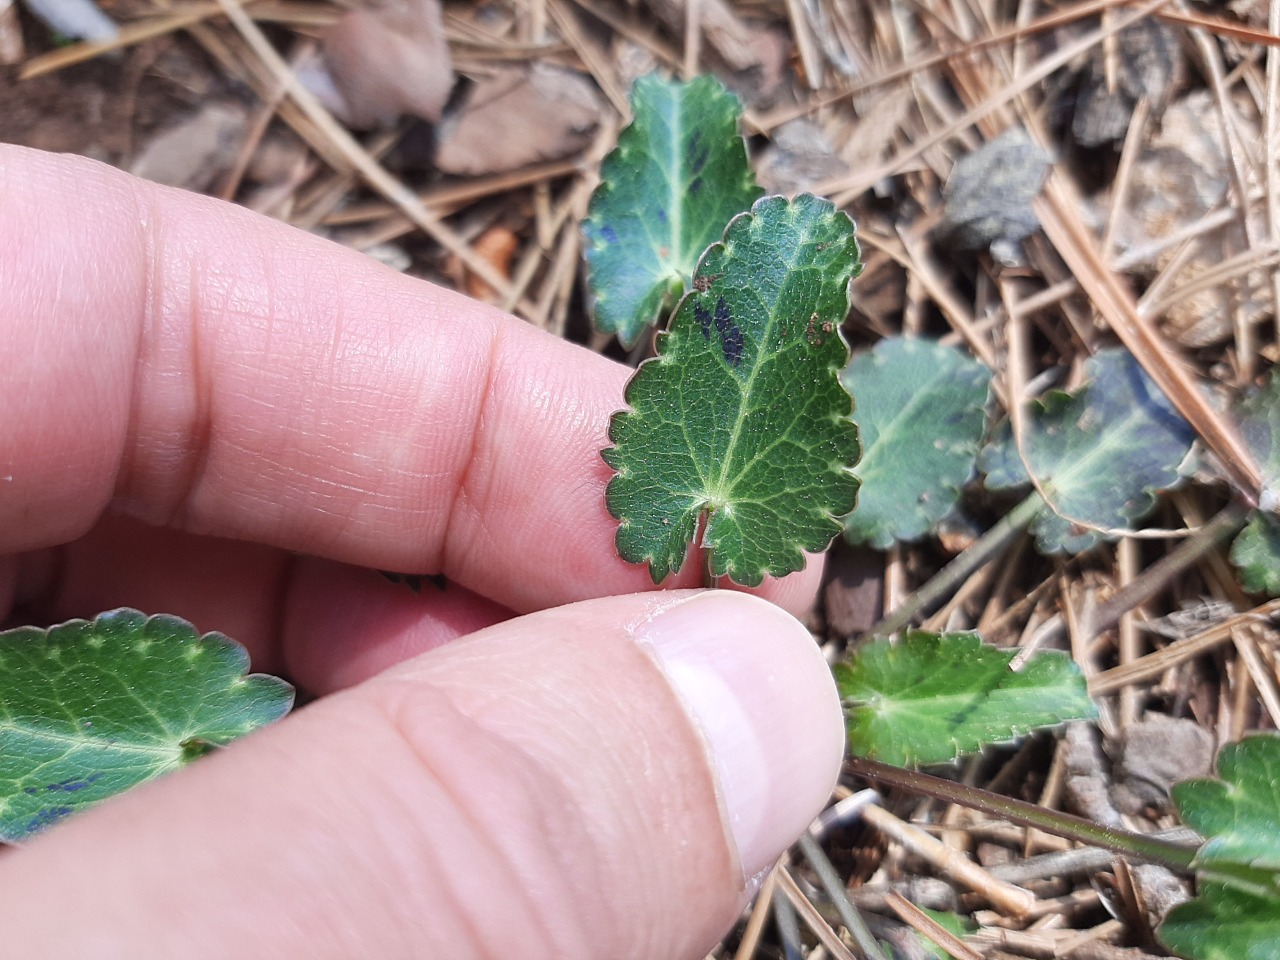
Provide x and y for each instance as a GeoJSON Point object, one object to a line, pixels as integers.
{"type": "Point", "coordinates": [988, 195]}
{"type": "Point", "coordinates": [514, 118]}
{"type": "Point", "coordinates": [1146, 64]}
{"type": "Point", "coordinates": [197, 151]}
{"type": "Point", "coordinates": [389, 58]}
{"type": "Point", "coordinates": [1154, 754]}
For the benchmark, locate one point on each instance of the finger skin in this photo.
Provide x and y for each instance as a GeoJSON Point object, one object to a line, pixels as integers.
{"type": "Point", "coordinates": [194, 365]}
{"type": "Point", "coordinates": [535, 790]}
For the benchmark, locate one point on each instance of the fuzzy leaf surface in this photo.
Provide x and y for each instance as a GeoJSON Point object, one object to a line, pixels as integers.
{"type": "Point", "coordinates": [920, 407]}
{"type": "Point", "coordinates": [678, 174]}
{"type": "Point", "coordinates": [934, 696]}
{"type": "Point", "coordinates": [1256, 551]}
{"type": "Point", "coordinates": [91, 708]}
{"type": "Point", "coordinates": [1225, 922]}
{"type": "Point", "coordinates": [741, 415]}
{"type": "Point", "coordinates": [1099, 454]}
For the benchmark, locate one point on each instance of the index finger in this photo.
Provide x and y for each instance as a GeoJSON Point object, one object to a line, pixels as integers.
{"type": "Point", "coordinates": [195, 365]}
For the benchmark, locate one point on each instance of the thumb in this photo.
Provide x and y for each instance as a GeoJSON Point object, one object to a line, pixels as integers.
{"type": "Point", "coordinates": [599, 780]}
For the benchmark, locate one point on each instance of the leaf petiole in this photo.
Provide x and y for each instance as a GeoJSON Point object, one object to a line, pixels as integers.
{"type": "Point", "coordinates": [1176, 856]}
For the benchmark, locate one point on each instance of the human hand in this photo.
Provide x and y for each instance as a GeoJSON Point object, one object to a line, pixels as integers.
{"type": "Point", "coordinates": [193, 396]}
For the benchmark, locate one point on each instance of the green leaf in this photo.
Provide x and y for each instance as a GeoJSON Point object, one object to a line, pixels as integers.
{"type": "Point", "coordinates": [1099, 453]}
{"type": "Point", "coordinates": [934, 696]}
{"type": "Point", "coordinates": [1259, 416]}
{"type": "Point", "coordinates": [1237, 913]}
{"type": "Point", "coordinates": [88, 709]}
{"type": "Point", "coordinates": [1225, 922]}
{"type": "Point", "coordinates": [1240, 810]}
{"type": "Point", "coordinates": [920, 410]}
{"type": "Point", "coordinates": [952, 923]}
{"type": "Point", "coordinates": [1256, 551]}
{"type": "Point", "coordinates": [740, 418]}
{"type": "Point", "coordinates": [677, 176]}
{"type": "Point", "coordinates": [1256, 554]}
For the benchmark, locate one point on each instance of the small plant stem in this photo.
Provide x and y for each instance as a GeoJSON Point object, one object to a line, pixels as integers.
{"type": "Point", "coordinates": [834, 886]}
{"type": "Point", "coordinates": [965, 564]}
{"type": "Point", "coordinates": [709, 579]}
{"type": "Point", "coordinates": [1176, 856]}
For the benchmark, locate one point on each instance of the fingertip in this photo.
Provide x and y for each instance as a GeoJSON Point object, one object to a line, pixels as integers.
{"type": "Point", "coordinates": [758, 689]}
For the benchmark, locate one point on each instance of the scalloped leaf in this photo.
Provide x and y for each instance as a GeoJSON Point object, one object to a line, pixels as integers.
{"type": "Point", "coordinates": [1236, 915]}
{"type": "Point", "coordinates": [1224, 922]}
{"type": "Point", "coordinates": [739, 425]}
{"type": "Point", "coordinates": [920, 407]}
{"type": "Point", "coordinates": [932, 697]}
{"type": "Point", "coordinates": [1239, 810]}
{"type": "Point", "coordinates": [91, 708]}
{"type": "Point", "coordinates": [678, 174]}
{"type": "Point", "coordinates": [1100, 454]}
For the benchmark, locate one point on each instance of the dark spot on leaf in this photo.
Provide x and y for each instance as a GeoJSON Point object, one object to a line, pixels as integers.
{"type": "Point", "coordinates": [73, 784]}
{"type": "Point", "coordinates": [704, 320]}
{"type": "Point", "coordinates": [662, 215]}
{"type": "Point", "coordinates": [609, 234]}
{"type": "Point", "coordinates": [694, 186]}
{"type": "Point", "coordinates": [731, 340]}
{"type": "Point", "coordinates": [47, 817]}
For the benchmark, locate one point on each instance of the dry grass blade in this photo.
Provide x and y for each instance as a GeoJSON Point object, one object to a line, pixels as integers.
{"type": "Point", "coordinates": [764, 123]}
{"type": "Point", "coordinates": [1154, 664]}
{"type": "Point", "coordinates": [1005, 896]}
{"type": "Point", "coordinates": [846, 189]}
{"type": "Point", "coordinates": [130, 35]}
{"type": "Point", "coordinates": [810, 915]}
{"type": "Point", "coordinates": [929, 928]}
{"type": "Point", "coordinates": [1245, 638]}
{"type": "Point", "coordinates": [373, 172]}
{"type": "Point", "coordinates": [452, 196]}
{"type": "Point", "coordinates": [758, 918]}
{"type": "Point", "coordinates": [1224, 28]}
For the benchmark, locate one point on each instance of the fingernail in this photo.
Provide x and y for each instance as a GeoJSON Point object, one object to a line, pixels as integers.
{"type": "Point", "coordinates": [758, 690]}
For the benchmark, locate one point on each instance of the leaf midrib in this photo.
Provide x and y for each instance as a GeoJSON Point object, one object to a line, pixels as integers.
{"type": "Point", "coordinates": [39, 733]}
{"type": "Point", "coordinates": [748, 388]}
